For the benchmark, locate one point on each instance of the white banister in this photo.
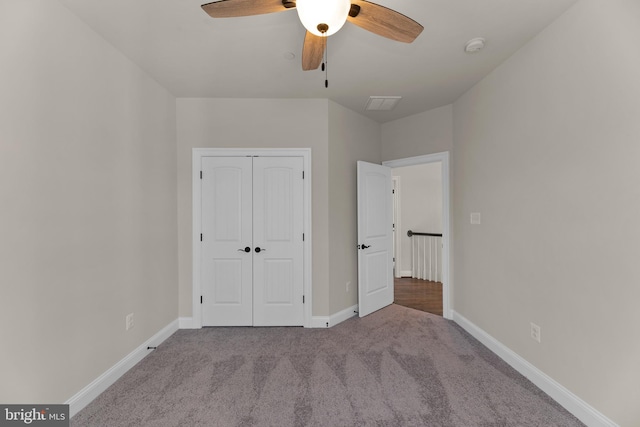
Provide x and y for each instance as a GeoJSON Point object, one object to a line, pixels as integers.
{"type": "Point", "coordinates": [426, 256]}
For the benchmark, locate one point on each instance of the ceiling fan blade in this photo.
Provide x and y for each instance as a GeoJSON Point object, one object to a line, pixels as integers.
{"type": "Point", "coordinates": [383, 21]}
{"type": "Point", "coordinates": [233, 8]}
{"type": "Point", "coordinates": [312, 51]}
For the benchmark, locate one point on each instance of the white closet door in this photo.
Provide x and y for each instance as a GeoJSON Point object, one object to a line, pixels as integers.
{"type": "Point", "coordinates": [277, 231]}
{"type": "Point", "coordinates": [227, 289]}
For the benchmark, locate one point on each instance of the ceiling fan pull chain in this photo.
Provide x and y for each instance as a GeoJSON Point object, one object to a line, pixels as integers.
{"type": "Point", "coordinates": [325, 65]}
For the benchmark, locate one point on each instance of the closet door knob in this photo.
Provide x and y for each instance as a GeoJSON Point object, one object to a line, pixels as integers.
{"type": "Point", "coordinates": [247, 249]}
{"type": "Point", "coordinates": [258, 250]}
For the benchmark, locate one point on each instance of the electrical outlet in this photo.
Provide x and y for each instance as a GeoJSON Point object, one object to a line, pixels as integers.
{"type": "Point", "coordinates": [535, 332]}
{"type": "Point", "coordinates": [348, 286]}
{"type": "Point", "coordinates": [129, 321]}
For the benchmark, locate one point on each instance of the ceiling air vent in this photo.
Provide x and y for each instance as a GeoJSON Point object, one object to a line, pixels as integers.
{"type": "Point", "coordinates": [382, 103]}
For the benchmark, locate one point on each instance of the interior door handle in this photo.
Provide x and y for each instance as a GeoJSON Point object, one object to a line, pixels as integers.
{"type": "Point", "coordinates": [247, 249]}
{"type": "Point", "coordinates": [363, 246]}
{"type": "Point", "coordinates": [258, 250]}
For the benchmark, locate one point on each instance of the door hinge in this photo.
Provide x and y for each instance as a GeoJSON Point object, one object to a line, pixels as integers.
{"type": "Point", "coordinates": [393, 191]}
{"type": "Point", "coordinates": [303, 237]}
{"type": "Point", "coordinates": [200, 174]}
{"type": "Point", "coordinates": [201, 237]}
{"type": "Point", "coordinates": [303, 299]}
{"type": "Point", "coordinates": [200, 299]}
{"type": "Point", "coordinates": [302, 174]}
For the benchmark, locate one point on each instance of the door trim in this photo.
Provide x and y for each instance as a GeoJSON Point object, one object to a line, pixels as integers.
{"type": "Point", "coordinates": [397, 226]}
{"type": "Point", "coordinates": [197, 155]}
{"type": "Point", "coordinates": [447, 286]}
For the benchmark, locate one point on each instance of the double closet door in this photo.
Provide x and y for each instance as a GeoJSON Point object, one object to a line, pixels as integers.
{"type": "Point", "coordinates": [252, 241]}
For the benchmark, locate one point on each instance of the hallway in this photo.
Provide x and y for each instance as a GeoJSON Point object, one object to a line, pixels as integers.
{"type": "Point", "coordinates": [418, 294]}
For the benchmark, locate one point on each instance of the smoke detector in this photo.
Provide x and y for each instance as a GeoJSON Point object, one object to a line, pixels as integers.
{"type": "Point", "coordinates": [474, 45]}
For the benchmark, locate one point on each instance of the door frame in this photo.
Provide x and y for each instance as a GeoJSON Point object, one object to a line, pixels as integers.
{"type": "Point", "coordinates": [197, 155]}
{"type": "Point", "coordinates": [443, 157]}
{"type": "Point", "coordinates": [397, 225]}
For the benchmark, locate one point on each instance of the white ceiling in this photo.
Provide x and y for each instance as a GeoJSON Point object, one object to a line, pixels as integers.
{"type": "Point", "coordinates": [194, 55]}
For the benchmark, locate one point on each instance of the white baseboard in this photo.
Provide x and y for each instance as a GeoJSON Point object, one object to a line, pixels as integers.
{"type": "Point", "coordinates": [343, 315]}
{"type": "Point", "coordinates": [319, 322]}
{"type": "Point", "coordinates": [334, 319]}
{"type": "Point", "coordinates": [81, 399]}
{"type": "Point", "coordinates": [406, 273]}
{"type": "Point", "coordinates": [572, 403]}
{"type": "Point", "coordinates": [316, 321]}
{"type": "Point", "coordinates": [187, 323]}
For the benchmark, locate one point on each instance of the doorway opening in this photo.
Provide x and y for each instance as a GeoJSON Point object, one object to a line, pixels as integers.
{"type": "Point", "coordinates": [422, 232]}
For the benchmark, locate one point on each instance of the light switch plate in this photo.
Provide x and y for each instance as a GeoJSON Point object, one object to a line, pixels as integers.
{"type": "Point", "coordinates": [475, 217]}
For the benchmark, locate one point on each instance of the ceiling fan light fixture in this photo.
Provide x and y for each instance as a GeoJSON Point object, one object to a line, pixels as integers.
{"type": "Point", "coordinates": [323, 17]}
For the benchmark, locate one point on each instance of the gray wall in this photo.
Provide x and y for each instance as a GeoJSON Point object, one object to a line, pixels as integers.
{"type": "Point", "coordinates": [429, 132]}
{"type": "Point", "coordinates": [547, 149]}
{"type": "Point", "coordinates": [88, 204]}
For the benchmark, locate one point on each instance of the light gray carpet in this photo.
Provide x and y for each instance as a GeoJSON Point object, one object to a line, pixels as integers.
{"type": "Point", "coordinates": [395, 367]}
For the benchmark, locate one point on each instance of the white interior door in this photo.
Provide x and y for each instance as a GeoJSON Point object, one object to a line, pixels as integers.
{"type": "Point", "coordinates": [252, 241]}
{"type": "Point", "coordinates": [227, 231]}
{"type": "Point", "coordinates": [375, 238]}
{"type": "Point", "coordinates": [278, 232]}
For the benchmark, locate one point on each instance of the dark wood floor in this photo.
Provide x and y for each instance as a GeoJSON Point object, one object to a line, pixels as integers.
{"type": "Point", "coordinates": [419, 294]}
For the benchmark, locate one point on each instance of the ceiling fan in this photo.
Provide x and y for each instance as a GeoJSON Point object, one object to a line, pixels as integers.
{"type": "Point", "coordinates": [323, 18]}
